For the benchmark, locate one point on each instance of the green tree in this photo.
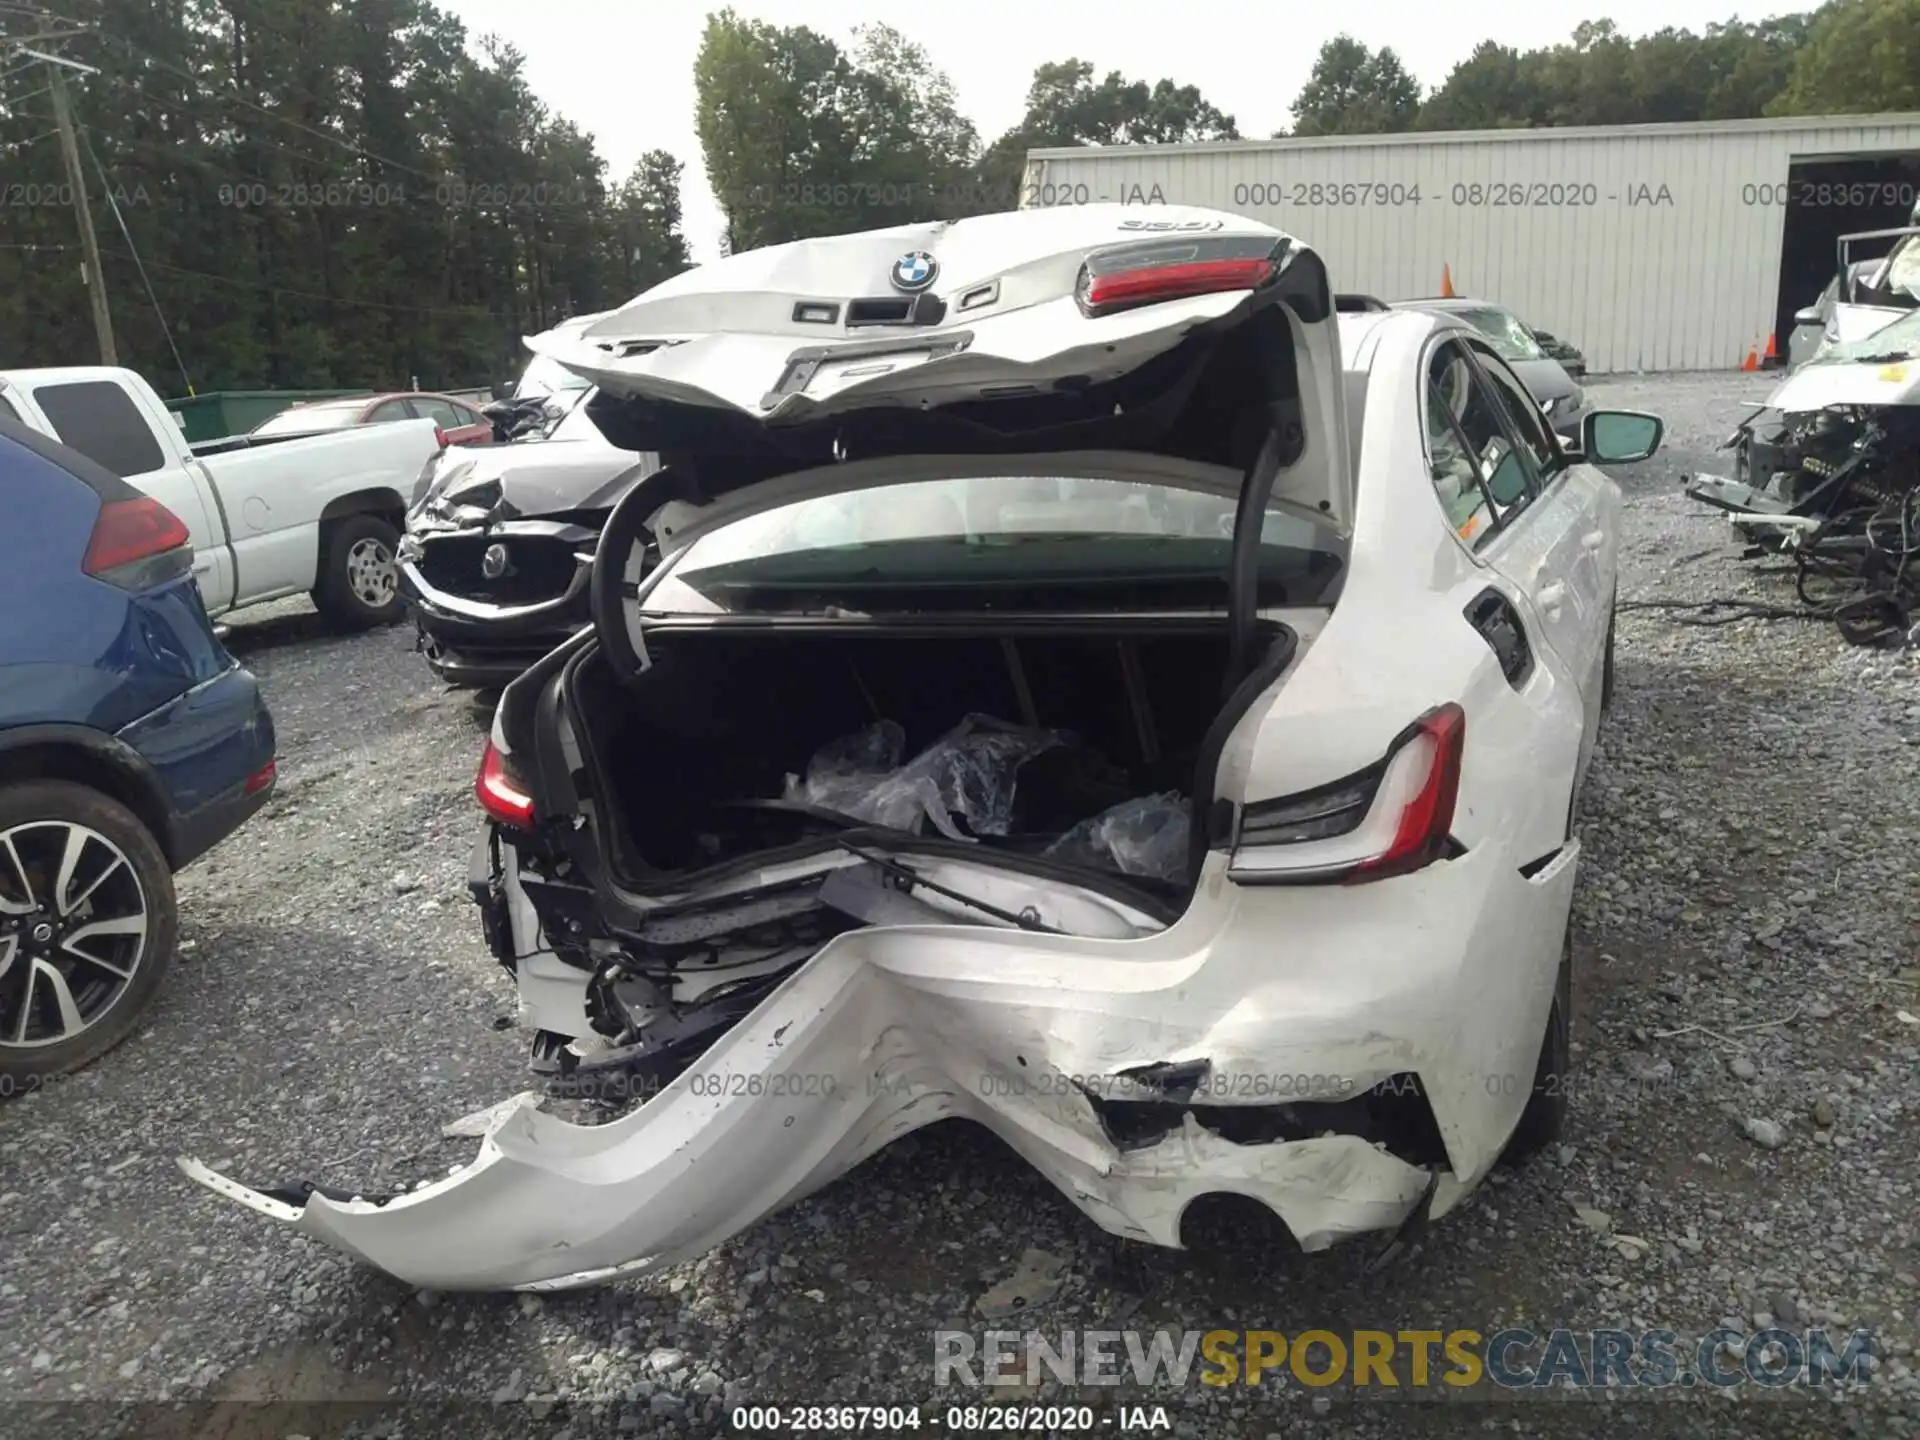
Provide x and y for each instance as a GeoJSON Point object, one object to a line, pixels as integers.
{"type": "Point", "coordinates": [649, 244]}
{"type": "Point", "coordinates": [773, 114]}
{"type": "Point", "coordinates": [1860, 57]}
{"type": "Point", "coordinates": [321, 193]}
{"type": "Point", "coordinates": [1494, 88]}
{"type": "Point", "coordinates": [914, 148]}
{"type": "Point", "coordinates": [1356, 91]}
{"type": "Point", "coordinates": [1066, 107]}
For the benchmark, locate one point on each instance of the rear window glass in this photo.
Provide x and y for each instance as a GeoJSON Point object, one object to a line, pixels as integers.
{"type": "Point", "coordinates": [993, 543]}
{"type": "Point", "coordinates": [100, 420]}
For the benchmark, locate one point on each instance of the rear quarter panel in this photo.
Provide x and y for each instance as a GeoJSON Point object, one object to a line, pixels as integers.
{"type": "Point", "coordinates": [1398, 643]}
{"type": "Point", "coordinates": [273, 497]}
{"type": "Point", "coordinates": [74, 649]}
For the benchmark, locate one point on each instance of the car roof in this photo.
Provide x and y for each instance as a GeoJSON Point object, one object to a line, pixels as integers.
{"type": "Point", "coordinates": [338, 402]}
{"type": "Point", "coordinates": [1449, 302]}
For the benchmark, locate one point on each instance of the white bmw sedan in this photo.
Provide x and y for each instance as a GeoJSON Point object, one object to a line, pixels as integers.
{"type": "Point", "coordinates": [1064, 676]}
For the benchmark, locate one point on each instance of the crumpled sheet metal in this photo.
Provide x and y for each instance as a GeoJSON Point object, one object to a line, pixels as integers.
{"type": "Point", "coordinates": [880, 1034]}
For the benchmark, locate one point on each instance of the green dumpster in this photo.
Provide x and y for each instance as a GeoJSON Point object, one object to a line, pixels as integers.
{"type": "Point", "coordinates": [220, 413]}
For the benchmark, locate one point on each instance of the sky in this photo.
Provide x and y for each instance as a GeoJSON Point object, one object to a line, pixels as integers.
{"type": "Point", "coordinates": [624, 71]}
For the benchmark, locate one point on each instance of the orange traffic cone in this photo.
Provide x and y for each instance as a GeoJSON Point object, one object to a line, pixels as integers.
{"type": "Point", "coordinates": [1770, 360]}
{"type": "Point", "coordinates": [1446, 283]}
{"type": "Point", "coordinates": [1752, 362]}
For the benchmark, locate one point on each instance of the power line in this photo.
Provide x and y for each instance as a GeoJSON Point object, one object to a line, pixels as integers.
{"type": "Point", "coordinates": [114, 205]}
{"type": "Point", "coordinates": [234, 93]}
{"type": "Point", "coordinates": [197, 117]}
{"type": "Point", "coordinates": [474, 312]}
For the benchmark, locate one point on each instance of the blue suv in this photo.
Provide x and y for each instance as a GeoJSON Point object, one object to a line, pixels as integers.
{"type": "Point", "coordinates": [131, 743]}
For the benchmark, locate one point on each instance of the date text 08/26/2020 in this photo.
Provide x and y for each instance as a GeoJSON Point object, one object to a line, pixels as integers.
{"type": "Point", "coordinates": [1569, 194]}
{"type": "Point", "coordinates": [1214, 1087]}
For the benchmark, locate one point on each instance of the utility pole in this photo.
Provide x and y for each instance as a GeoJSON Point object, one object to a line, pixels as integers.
{"type": "Point", "coordinates": [91, 272]}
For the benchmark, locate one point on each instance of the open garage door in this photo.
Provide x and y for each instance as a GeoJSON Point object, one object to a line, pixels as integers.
{"type": "Point", "coordinates": [1825, 199]}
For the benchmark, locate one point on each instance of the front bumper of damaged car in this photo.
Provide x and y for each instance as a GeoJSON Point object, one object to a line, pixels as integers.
{"type": "Point", "coordinates": [1235, 1052]}
{"type": "Point", "coordinates": [474, 641]}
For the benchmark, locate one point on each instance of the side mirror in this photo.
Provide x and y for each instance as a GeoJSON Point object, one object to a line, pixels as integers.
{"type": "Point", "coordinates": [1809, 316]}
{"type": "Point", "coordinates": [1619, 437]}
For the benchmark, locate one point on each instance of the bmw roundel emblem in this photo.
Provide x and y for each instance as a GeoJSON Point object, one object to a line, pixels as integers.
{"type": "Point", "coordinates": [915, 272]}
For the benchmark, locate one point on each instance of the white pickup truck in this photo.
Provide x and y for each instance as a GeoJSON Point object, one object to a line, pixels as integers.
{"type": "Point", "coordinates": [269, 517]}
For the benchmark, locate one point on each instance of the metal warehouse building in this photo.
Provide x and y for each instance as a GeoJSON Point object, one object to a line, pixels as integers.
{"type": "Point", "coordinates": [1651, 247]}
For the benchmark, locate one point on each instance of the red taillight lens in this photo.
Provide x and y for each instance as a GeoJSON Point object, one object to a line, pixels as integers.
{"type": "Point", "coordinates": [128, 533]}
{"type": "Point", "coordinates": [1426, 823]}
{"type": "Point", "coordinates": [499, 792]}
{"type": "Point", "coordinates": [1125, 276]}
{"type": "Point", "coordinates": [263, 777]}
{"type": "Point", "coordinates": [441, 438]}
{"type": "Point", "coordinates": [1174, 282]}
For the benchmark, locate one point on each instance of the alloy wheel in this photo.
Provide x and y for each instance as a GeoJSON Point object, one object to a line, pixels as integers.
{"type": "Point", "coordinates": [371, 573]}
{"type": "Point", "coordinates": [73, 931]}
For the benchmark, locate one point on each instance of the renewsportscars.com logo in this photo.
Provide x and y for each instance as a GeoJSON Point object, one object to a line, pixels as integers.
{"type": "Point", "coordinates": [1402, 1360]}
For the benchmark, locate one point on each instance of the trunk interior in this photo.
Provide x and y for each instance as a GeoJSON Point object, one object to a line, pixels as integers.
{"type": "Point", "coordinates": [697, 755]}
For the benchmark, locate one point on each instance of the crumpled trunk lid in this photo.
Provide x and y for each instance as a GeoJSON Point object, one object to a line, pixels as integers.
{"type": "Point", "coordinates": [949, 337]}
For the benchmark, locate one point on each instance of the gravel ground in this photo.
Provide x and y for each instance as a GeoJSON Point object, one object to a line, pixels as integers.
{"type": "Point", "coordinates": [1745, 929]}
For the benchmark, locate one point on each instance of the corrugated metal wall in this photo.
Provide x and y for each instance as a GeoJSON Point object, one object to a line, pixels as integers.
{"type": "Point", "coordinates": [1650, 247]}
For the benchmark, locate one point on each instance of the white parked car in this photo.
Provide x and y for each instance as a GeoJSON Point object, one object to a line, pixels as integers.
{"type": "Point", "coordinates": [269, 516]}
{"type": "Point", "coordinates": [1101, 694]}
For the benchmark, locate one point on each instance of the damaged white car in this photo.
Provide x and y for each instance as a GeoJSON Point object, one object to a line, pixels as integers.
{"type": "Point", "coordinates": [1828, 472]}
{"type": "Point", "coordinates": [1087, 688]}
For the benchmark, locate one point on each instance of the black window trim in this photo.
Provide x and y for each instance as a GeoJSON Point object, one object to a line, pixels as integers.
{"type": "Point", "coordinates": [1557, 461]}
{"type": "Point", "coordinates": [1498, 515]}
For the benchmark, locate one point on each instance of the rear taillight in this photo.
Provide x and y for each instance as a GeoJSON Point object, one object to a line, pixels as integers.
{"type": "Point", "coordinates": [1394, 817]}
{"type": "Point", "coordinates": [137, 543]}
{"type": "Point", "coordinates": [499, 791]}
{"type": "Point", "coordinates": [1124, 276]}
{"type": "Point", "coordinates": [441, 438]}
{"type": "Point", "coordinates": [1425, 830]}
{"type": "Point", "coordinates": [262, 778]}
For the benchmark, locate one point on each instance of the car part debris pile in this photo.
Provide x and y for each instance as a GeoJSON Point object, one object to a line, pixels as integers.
{"type": "Point", "coordinates": [1833, 481]}
{"type": "Point", "coordinates": [963, 785]}
{"type": "Point", "coordinates": [1838, 491]}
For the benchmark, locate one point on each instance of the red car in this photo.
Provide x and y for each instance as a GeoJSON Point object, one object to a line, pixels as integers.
{"type": "Point", "coordinates": [460, 423]}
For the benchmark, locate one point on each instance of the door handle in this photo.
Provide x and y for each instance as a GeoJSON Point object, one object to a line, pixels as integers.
{"type": "Point", "coordinates": [1551, 596]}
{"type": "Point", "coordinates": [1593, 539]}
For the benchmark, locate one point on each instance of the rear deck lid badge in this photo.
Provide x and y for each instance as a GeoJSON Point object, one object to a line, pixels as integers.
{"type": "Point", "coordinates": [914, 272]}
{"type": "Point", "coordinates": [493, 564]}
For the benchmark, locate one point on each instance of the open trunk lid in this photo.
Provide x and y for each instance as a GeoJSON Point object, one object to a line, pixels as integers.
{"type": "Point", "coordinates": [1079, 329]}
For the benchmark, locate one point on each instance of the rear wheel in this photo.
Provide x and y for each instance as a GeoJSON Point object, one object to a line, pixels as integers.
{"type": "Point", "coordinates": [87, 927]}
{"type": "Point", "coordinates": [359, 584]}
{"type": "Point", "coordinates": [1545, 1117]}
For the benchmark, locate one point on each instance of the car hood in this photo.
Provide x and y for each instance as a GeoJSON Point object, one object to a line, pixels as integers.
{"type": "Point", "coordinates": [800, 355]}
{"type": "Point", "coordinates": [1545, 379]}
{"type": "Point", "coordinates": [527, 478]}
{"type": "Point", "coordinates": [1819, 384]}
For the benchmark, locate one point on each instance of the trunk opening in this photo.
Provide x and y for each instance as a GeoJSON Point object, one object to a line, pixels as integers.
{"type": "Point", "coordinates": [698, 757]}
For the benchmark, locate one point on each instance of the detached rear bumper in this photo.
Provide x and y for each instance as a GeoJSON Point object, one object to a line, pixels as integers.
{"type": "Point", "coordinates": [1206, 1059]}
